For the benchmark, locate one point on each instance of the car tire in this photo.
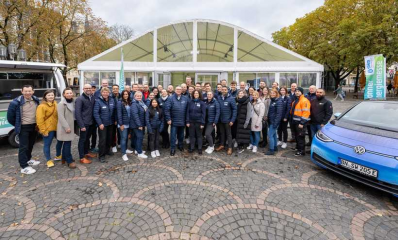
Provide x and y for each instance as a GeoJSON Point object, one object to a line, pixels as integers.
{"type": "Point", "coordinates": [13, 139]}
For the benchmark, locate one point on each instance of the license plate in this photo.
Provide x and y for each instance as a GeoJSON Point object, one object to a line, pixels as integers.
{"type": "Point", "coordinates": [359, 168]}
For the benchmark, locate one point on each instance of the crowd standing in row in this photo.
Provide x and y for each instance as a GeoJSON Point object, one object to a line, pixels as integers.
{"type": "Point", "coordinates": [201, 115]}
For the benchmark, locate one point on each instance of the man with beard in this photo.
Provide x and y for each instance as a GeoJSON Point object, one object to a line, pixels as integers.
{"type": "Point", "coordinates": [321, 111]}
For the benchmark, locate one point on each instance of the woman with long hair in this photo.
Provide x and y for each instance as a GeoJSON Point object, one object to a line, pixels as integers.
{"type": "Point", "coordinates": [196, 120]}
{"type": "Point", "coordinates": [264, 97]}
{"type": "Point", "coordinates": [154, 122]}
{"type": "Point", "coordinates": [257, 121]}
{"type": "Point", "coordinates": [137, 120]}
{"type": "Point", "coordinates": [212, 116]}
{"type": "Point", "coordinates": [66, 126]}
{"type": "Point", "coordinates": [47, 119]}
{"type": "Point", "coordinates": [163, 99]}
{"type": "Point", "coordinates": [282, 130]}
{"type": "Point", "coordinates": [243, 117]}
{"type": "Point", "coordinates": [156, 92]}
{"type": "Point", "coordinates": [274, 118]}
{"type": "Point", "coordinates": [123, 121]}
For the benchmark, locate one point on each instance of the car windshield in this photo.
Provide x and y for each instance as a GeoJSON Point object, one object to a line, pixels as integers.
{"type": "Point", "coordinates": [380, 115]}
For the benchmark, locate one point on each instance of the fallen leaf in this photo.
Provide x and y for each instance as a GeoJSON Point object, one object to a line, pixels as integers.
{"type": "Point", "coordinates": [2, 214]}
{"type": "Point", "coordinates": [24, 182]}
{"type": "Point", "coordinates": [14, 224]}
{"type": "Point", "coordinates": [100, 184]}
{"type": "Point", "coordinates": [19, 204]}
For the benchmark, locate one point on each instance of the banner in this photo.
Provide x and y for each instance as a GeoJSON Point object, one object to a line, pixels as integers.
{"type": "Point", "coordinates": [3, 120]}
{"type": "Point", "coordinates": [375, 72]}
{"type": "Point", "coordinates": [121, 79]}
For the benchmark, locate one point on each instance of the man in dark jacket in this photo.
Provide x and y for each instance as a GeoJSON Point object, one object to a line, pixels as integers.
{"type": "Point", "coordinates": [228, 112]}
{"type": "Point", "coordinates": [292, 96]}
{"type": "Point", "coordinates": [233, 91]}
{"type": "Point", "coordinates": [84, 116]}
{"type": "Point", "coordinates": [311, 95]}
{"type": "Point", "coordinates": [196, 119]}
{"type": "Point", "coordinates": [104, 84]}
{"type": "Point", "coordinates": [21, 114]}
{"type": "Point", "coordinates": [175, 113]}
{"type": "Point", "coordinates": [321, 111]}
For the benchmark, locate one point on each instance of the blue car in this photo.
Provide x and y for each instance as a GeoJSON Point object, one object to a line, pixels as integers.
{"type": "Point", "coordinates": [362, 144]}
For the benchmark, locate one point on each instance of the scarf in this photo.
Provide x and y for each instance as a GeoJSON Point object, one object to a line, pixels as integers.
{"type": "Point", "coordinates": [142, 104]}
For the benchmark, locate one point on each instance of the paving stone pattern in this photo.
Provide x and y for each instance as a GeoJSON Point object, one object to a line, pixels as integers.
{"type": "Point", "coordinates": [248, 196]}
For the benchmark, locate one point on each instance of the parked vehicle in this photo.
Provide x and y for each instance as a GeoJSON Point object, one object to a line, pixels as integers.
{"type": "Point", "coordinates": [14, 75]}
{"type": "Point", "coordinates": [362, 144]}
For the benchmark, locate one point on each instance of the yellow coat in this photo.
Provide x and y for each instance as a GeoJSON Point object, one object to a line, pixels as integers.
{"type": "Point", "coordinates": [47, 117]}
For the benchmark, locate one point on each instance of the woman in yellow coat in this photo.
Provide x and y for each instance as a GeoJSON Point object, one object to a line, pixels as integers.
{"type": "Point", "coordinates": [47, 119]}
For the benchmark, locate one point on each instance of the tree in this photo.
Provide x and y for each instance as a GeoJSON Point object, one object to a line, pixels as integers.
{"type": "Point", "coordinates": [341, 32]}
{"type": "Point", "coordinates": [120, 33]}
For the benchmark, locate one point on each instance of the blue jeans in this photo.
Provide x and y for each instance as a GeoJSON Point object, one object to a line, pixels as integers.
{"type": "Point", "coordinates": [273, 138]}
{"type": "Point", "coordinates": [177, 132]}
{"type": "Point", "coordinates": [47, 145]}
{"type": "Point", "coordinates": [123, 141]}
{"type": "Point", "coordinates": [139, 134]}
{"type": "Point", "coordinates": [314, 129]}
{"type": "Point", "coordinates": [66, 150]}
{"type": "Point", "coordinates": [255, 138]}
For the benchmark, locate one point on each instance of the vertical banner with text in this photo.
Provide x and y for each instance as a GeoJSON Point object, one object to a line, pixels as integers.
{"type": "Point", "coordinates": [375, 72]}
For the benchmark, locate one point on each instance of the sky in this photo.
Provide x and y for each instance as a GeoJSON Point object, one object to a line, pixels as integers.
{"type": "Point", "coordinates": [262, 17]}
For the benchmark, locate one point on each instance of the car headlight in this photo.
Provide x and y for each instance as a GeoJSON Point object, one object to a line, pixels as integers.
{"type": "Point", "coordinates": [321, 136]}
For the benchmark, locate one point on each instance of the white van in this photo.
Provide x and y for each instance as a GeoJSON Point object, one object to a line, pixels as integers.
{"type": "Point", "coordinates": [14, 75]}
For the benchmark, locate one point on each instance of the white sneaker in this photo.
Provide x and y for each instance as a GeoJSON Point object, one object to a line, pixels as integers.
{"type": "Point", "coordinates": [284, 145]}
{"type": "Point", "coordinates": [254, 149]}
{"type": "Point", "coordinates": [235, 144]}
{"type": "Point", "coordinates": [211, 150]}
{"type": "Point", "coordinates": [28, 170]}
{"type": "Point", "coordinates": [207, 149]}
{"type": "Point", "coordinates": [129, 151]}
{"type": "Point", "coordinates": [279, 143]}
{"type": "Point", "coordinates": [114, 150]}
{"type": "Point", "coordinates": [125, 158]}
{"type": "Point", "coordinates": [142, 155]}
{"type": "Point", "coordinates": [153, 154]}
{"type": "Point", "coordinates": [187, 141]}
{"type": "Point", "coordinates": [33, 162]}
{"type": "Point", "coordinates": [137, 152]}
{"type": "Point", "coordinates": [157, 153]}
{"type": "Point", "coordinates": [250, 147]}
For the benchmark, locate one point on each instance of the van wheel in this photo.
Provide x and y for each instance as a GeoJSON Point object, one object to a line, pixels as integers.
{"type": "Point", "coordinates": [13, 139]}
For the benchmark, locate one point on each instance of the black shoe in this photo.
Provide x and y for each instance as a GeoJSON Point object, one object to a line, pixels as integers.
{"type": "Point", "coordinates": [190, 150]}
{"type": "Point", "coordinates": [276, 149]}
{"type": "Point", "coordinates": [269, 153]}
{"type": "Point", "coordinates": [102, 159]}
{"type": "Point", "coordinates": [172, 152]}
{"type": "Point", "coordinates": [308, 144]}
{"type": "Point", "coordinates": [299, 154]}
{"type": "Point", "coordinates": [110, 153]}
{"type": "Point", "coordinates": [200, 151]}
{"type": "Point", "coordinates": [294, 148]}
{"type": "Point", "coordinates": [181, 149]}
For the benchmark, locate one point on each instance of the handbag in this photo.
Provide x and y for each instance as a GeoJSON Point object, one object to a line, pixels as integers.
{"type": "Point", "coordinates": [263, 121]}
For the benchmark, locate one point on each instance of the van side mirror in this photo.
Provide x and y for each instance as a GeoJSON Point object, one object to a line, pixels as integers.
{"type": "Point", "coordinates": [337, 115]}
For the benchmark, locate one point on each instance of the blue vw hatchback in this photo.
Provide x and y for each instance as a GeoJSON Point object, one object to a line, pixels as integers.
{"type": "Point", "coordinates": [362, 144]}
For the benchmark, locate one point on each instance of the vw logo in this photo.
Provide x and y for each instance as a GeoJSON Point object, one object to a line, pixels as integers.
{"type": "Point", "coordinates": [359, 150]}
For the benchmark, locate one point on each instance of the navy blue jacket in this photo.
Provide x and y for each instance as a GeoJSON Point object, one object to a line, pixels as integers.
{"type": "Point", "coordinates": [122, 115]}
{"type": "Point", "coordinates": [84, 108]}
{"type": "Point", "coordinates": [204, 96]}
{"type": "Point", "coordinates": [14, 112]}
{"type": "Point", "coordinates": [287, 105]}
{"type": "Point", "coordinates": [162, 103]}
{"type": "Point", "coordinates": [147, 102]}
{"type": "Point", "coordinates": [217, 94]}
{"type": "Point", "coordinates": [105, 111]}
{"type": "Point", "coordinates": [97, 93]}
{"type": "Point", "coordinates": [310, 96]}
{"type": "Point", "coordinates": [176, 110]}
{"type": "Point", "coordinates": [212, 111]}
{"type": "Point", "coordinates": [275, 112]}
{"type": "Point", "coordinates": [196, 112]}
{"type": "Point", "coordinates": [137, 115]}
{"type": "Point", "coordinates": [233, 93]}
{"type": "Point", "coordinates": [228, 109]}
{"type": "Point", "coordinates": [155, 122]}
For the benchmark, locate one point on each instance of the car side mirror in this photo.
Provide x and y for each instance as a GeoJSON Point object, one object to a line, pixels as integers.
{"type": "Point", "coordinates": [337, 115]}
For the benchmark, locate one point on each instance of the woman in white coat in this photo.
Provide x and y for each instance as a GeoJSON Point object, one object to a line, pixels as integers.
{"type": "Point", "coordinates": [257, 121]}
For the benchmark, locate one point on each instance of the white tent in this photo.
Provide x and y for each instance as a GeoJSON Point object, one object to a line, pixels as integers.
{"type": "Point", "coordinates": [207, 50]}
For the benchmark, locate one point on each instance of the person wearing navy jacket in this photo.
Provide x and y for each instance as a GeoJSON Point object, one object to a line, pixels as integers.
{"type": "Point", "coordinates": [104, 84]}
{"type": "Point", "coordinates": [212, 116]}
{"type": "Point", "coordinates": [137, 122]}
{"type": "Point", "coordinates": [282, 130]}
{"type": "Point", "coordinates": [175, 113]}
{"type": "Point", "coordinates": [164, 97]}
{"type": "Point", "coordinates": [233, 91]}
{"type": "Point", "coordinates": [292, 96]}
{"type": "Point", "coordinates": [104, 115]}
{"type": "Point", "coordinates": [274, 119]}
{"type": "Point", "coordinates": [123, 122]}
{"type": "Point", "coordinates": [311, 95]}
{"type": "Point", "coordinates": [228, 112]}
{"type": "Point", "coordinates": [196, 119]}
{"type": "Point", "coordinates": [149, 99]}
{"type": "Point", "coordinates": [154, 123]}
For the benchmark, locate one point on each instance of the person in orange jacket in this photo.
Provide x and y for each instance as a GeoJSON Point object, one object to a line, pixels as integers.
{"type": "Point", "coordinates": [300, 113]}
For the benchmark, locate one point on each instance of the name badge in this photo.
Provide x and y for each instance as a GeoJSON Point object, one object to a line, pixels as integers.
{"type": "Point", "coordinates": [198, 104]}
{"type": "Point", "coordinates": [225, 103]}
{"type": "Point", "coordinates": [103, 107]}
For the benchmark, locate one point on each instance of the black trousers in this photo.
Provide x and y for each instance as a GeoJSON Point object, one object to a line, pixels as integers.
{"type": "Point", "coordinates": [292, 130]}
{"type": "Point", "coordinates": [282, 131]}
{"type": "Point", "coordinates": [27, 139]}
{"type": "Point", "coordinates": [209, 132]}
{"type": "Point", "coordinates": [153, 139]}
{"type": "Point", "coordinates": [133, 138]}
{"type": "Point", "coordinates": [225, 134]}
{"type": "Point", "coordinates": [114, 133]}
{"type": "Point", "coordinates": [165, 135]}
{"type": "Point", "coordinates": [94, 137]}
{"type": "Point", "coordinates": [264, 131]}
{"type": "Point", "coordinates": [104, 144]}
{"type": "Point", "coordinates": [195, 133]}
{"type": "Point", "coordinates": [84, 140]}
{"type": "Point", "coordinates": [300, 136]}
{"type": "Point", "coordinates": [309, 132]}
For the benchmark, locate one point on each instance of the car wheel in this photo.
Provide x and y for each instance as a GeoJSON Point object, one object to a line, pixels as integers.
{"type": "Point", "coordinates": [13, 139]}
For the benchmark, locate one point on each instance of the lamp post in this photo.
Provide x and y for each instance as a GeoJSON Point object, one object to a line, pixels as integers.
{"type": "Point", "coordinates": [3, 52]}
{"type": "Point", "coordinates": [12, 50]}
{"type": "Point", "coordinates": [21, 55]}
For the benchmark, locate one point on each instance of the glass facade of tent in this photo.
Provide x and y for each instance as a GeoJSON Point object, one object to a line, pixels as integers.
{"type": "Point", "coordinates": [205, 50]}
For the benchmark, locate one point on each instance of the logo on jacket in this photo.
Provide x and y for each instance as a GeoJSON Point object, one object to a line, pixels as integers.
{"type": "Point", "coordinates": [359, 150]}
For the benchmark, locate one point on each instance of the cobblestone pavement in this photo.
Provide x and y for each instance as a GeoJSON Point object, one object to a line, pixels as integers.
{"type": "Point", "coordinates": [245, 196]}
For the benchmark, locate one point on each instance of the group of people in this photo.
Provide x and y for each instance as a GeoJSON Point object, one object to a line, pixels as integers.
{"type": "Point", "coordinates": [228, 116]}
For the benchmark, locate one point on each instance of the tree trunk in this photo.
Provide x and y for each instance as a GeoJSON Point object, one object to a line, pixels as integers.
{"type": "Point", "coordinates": [357, 80]}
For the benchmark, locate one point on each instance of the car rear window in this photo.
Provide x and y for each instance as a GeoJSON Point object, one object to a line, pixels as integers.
{"type": "Point", "coordinates": [381, 115]}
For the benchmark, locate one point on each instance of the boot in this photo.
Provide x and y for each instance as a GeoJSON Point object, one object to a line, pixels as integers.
{"type": "Point", "coordinates": [85, 161]}
{"type": "Point", "coordinates": [221, 147]}
{"type": "Point", "coordinates": [229, 152]}
{"type": "Point", "coordinates": [72, 165]}
{"type": "Point", "coordinates": [90, 155]}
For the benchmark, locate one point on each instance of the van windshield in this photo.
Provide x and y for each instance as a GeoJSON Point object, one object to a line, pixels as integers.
{"type": "Point", "coordinates": [380, 115]}
{"type": "Point", "coordinates": [11, 83]}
